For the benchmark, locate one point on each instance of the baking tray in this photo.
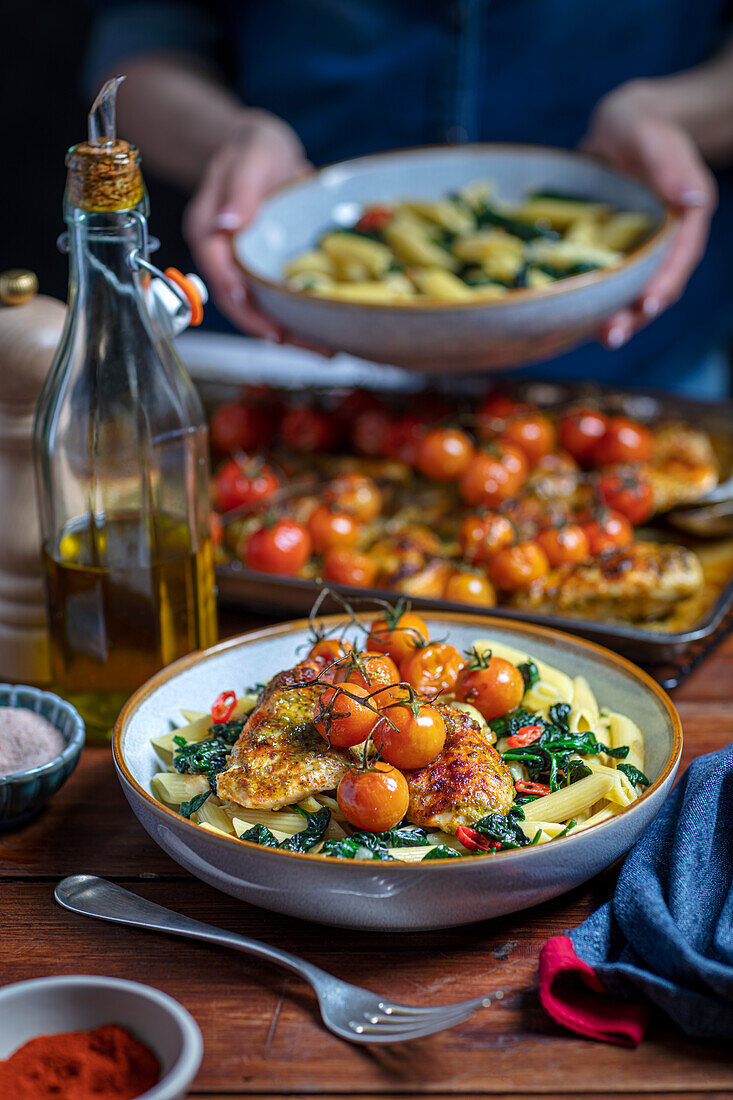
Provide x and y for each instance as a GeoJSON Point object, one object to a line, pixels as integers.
{"type": "Point", "coordinates": [669, 655]}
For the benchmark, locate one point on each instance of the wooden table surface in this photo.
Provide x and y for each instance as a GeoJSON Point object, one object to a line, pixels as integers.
{"type": "Point", "coordinates": [261, 1029]}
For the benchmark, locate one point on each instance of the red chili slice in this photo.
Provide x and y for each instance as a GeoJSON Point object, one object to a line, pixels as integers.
{"type": "Point", "coordinates": [374, 219]}
{"type": "Point", "coordinates": [526, 735]}
{"type": "Point", "coordinates": [475, 841]}
{"type": "Point", "coordinates": [524, 786]}
{"type": "Point", "coordinates": [223, 706]}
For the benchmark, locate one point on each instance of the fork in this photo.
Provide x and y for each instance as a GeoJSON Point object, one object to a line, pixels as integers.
{"type": "Point", "coordinates": [347, 1010]}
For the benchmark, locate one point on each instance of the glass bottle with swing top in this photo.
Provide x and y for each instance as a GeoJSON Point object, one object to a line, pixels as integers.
{"type": "Point", "coordinates": [121, 447]}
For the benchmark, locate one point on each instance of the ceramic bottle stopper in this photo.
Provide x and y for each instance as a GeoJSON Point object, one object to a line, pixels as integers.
{"type": "Point", "coordinates": [30, 329]}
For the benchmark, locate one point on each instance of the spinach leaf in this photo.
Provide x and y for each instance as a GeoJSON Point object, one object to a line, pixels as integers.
{"type": "Point", "coordinates": [514, 720]}
{"type": "Point", "coordinates": [313, 832]}
{"type": "Point", "coordinates": [190, 807]}
{"type": "Point", "coordinates": [560, 715]}
{"type": "Point", "coordinates": [260, 834]}
{"type": "Point", "coordinates": [529, 672]}
{"type": "Point", "coordinates": [526, 231]}
{"type": "Point", "coordinates": [404, 836]}
{"type": "Point", "coordinates": [504, 827]}
{"type": "Point", "coordinates": [441, 851]}
{"type": "Point", "coordinates": [634, 775]}
{"type": "Point", "coordinates": [351, 848]}
{"type": "Point", "coordinates": [618, 754]}
{"type": "Point", "coordinates": [575, 770]}
{"type": "Point", "coordinates": [228, 732]}
{"type": "Point", "coordinates": [562, 196]}
{"type": "Point", "coordinates": [568, 270]}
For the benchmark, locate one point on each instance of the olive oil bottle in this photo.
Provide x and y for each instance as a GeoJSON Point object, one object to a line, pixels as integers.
{"type": "Point", "coordinates": [121, 449]}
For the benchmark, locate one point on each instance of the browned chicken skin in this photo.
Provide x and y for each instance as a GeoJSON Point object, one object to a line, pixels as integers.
{"type": "Point", "coordinates": [467, 781]}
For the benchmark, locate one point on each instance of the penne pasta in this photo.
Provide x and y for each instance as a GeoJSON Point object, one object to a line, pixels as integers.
{"type": "Point", "coordinates": [566, 803]}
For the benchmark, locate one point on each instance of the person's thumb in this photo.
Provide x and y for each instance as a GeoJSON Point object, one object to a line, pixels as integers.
{"type": "Point", "coordinates": [669, 161]}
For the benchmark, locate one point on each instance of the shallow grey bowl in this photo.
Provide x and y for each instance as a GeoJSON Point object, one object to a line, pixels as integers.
{"type": "Point", "coordinates": [361, 894]}
{"type": "Point", "coordinates": [47, 1006]}
{"type": "Point", "coordinates": [525, 326]}
{"type": "Point", "coordinates": [25, 793]}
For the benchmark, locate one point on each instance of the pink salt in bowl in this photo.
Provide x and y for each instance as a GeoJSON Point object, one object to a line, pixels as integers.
{"type": "Point", "coordinates": [25, 793]}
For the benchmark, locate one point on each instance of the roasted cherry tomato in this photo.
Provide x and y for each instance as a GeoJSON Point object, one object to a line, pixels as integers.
{"type": "Point", "coordinates": [564, 545]}
{"type": "Point", "coordinates": [410, 735]}
{"type": "Point", "coordinates": [280, 547]}
{"type": "Point", "coordinates": [444, 453]}
{"type": "Point", "coordinates": [372, 671]}
{"type": "Point", "coordinates": [494, 475]}
{"type": "Point", "coordinates": [369, 432]}
{"type": "Point", "coordinates": [308, 430]}
{"type": "Point", "coordinates": [483, 533]}
{"type": "Point", "coordinates": [432, 669]}
{"type": "Point", "coordinates": [474, 840]}
{"type": "Point", "coordinates": [329, 650]}
{"type": "Point", "coordinates": [398, 635]}
{"type": "Point", "coordinates": [533, 433]}
{"type": "Point", "coordinates": [356, 494]}
{"type": "Point", "coordinates": [581, 430]}
{"type": "Point", "coordinates": [402, 438]}
{"type": "Point", "coordinates": [329, 528]}
{"type": "Point", "coordinates": [515, 567]}
{"type": "Point", "coordinates": [493, 411]}
{"type": "Point", "coordinates": [345, 566]}
{"type": "Point", "coordinates": [607, 532]}
{"type": "Point", "coordinates": [624, 441]}
{"type": "Point", "coordinates": [629, 493]}
{"type": "Point", "coordinates": [464, 586]}
{"type": "Point", "coordinates": [342, 718]}
{"type": "Point", "coordinates": [374, 219]}
{"type": "Point", "coordinates": [491, 684]}
{"type": "Point", "coordinates": [236, 427]}
{"type": "Point", "coordinates": [240, 482]}
{"type": "Point", "coordinates": [374, 800]}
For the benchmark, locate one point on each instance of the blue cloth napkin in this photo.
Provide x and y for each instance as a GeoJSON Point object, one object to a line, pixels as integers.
{"type": "Point", "coordinates": [667, 934]}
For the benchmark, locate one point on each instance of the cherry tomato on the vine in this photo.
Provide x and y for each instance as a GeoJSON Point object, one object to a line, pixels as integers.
{"type": "Point", "coordinates": [515, 567]}
{"type": "Point", "coordinates": [493, 411]}
{"type": "Point", "coordinates": [237, 427]}
{"type": "Point", "coordinates": [345, 566]}
{"type": "Point", "coordinates": [402, 438]}
{"type": "Point", "coordinates": [243, 481]}
{"type": "Point", "coordinates": [564, 545]}
{"type": "Point", "coordinates": [444, 453]}
{"type": "Point", "coordinates": [374, 800]}
{"type": "Point", "coordinates": [281, 547]}
{"type": "Point", "coordinates": [353, 403]}
{"type": "Point", "coordinates": [399, 636]}
{"type": "Point", "coordinates": [533, 432]}
{"type": "Point", "coordinates": [624, 441]}
{"type": "Point", "coordinates": [329, 528]}
{"type": "Point", "coordinates": [433, 669]}
{"type": "Point", "coordinates": [342, 718]}
{"type": "Point", "coordinates": [483, 533]}
{"type": "Point", "coordinates": [581, 430]}
{"type": "Point", "coordinates": [465, 586]}
{"type": "Point", "coordinates": [410, 735]}
{"type": "Point", "coordinates": [369, 432]}
{"type": "Point", "coordinates": [629, 493]}
{"type": "Point", "coordinates": [607, 532]}
{"type": "Point", "coordinates": [330, 649]}
{"type": "Point", "coordinates": [494, 475]}
{"type": "Point", "coordinates": [356, 494]}
{"type": "Point", "coordinates": [308, 430]}
{"type": "Point", "coordinates": [372, 671]}
{"type": "Point", "coordinates": [493, 685]}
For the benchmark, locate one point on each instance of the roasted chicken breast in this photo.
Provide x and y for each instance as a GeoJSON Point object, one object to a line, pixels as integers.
{"type": "Point", "coordinates": [467, 781]}
{"type": "Point", "coordinates": [640, 582]}
{"type": "Point", "coordinates": [683, 466]}
{"type": "Point", "coordinates": [280, 757]}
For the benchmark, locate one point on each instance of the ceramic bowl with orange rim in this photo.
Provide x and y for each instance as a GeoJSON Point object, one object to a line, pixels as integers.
{"type": "Point", "coordinates": [380, 895]}
{"type": "Point", "coordinates": [523, 326]}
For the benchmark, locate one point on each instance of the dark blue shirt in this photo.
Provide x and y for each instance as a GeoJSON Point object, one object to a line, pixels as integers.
{"type": "Point", "coordinates": [359, 76]}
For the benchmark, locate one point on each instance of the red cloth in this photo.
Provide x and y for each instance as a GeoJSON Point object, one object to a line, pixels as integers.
{"type": "Point", "coordinates": [572, 993]}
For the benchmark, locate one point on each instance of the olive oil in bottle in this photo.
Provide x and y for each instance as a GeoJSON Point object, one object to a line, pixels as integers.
{"type": "Point", "coordinates": [121, 450]}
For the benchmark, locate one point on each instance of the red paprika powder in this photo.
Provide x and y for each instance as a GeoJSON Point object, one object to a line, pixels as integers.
{"type": "Point", "coordinates": [107, 1063]}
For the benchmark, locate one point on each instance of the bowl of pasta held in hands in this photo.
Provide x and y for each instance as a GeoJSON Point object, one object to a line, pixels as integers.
{"type": "Point", "coordinates": [477, 256]}
{"type": "Point", "coordinates": [396, 770]}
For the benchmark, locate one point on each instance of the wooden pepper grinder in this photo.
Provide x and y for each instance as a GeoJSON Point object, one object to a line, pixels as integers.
{"type": "Point", "coordinates": [30, 329]}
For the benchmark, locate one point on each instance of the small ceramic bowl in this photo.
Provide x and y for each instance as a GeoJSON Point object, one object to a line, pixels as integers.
{"type": "Point", "coordinates": [47, 1006]}
{"type": "Point", "coordinates": [25, 793]}
{"type": "Point", "coordinates": [524, 326]}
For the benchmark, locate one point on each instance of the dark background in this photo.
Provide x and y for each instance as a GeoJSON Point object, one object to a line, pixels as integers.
{"type": "Point", "coordinates": [44, 109]}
